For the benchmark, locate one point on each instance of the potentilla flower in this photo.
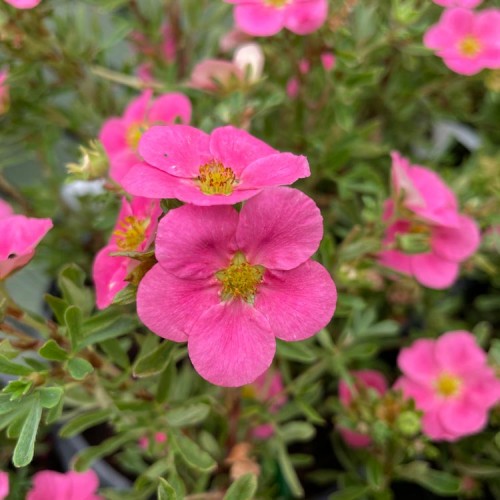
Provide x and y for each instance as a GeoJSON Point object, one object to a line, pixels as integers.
{"type": "Point", "coordinates": [133, 232]}
{"type": "Point", "coordinates": [20, 236]}
{"type": "Point", "coordinates": [364, 380]}
{"type": "Point", "coordinates": [268, 17]}
{"type": "Point", "coordinates": [23, 4]}
{"type": "Point", "coordinates": [4, 485]}
{"type": "Point", "coordinates": [466, 4]}
{"type": "Point", "coordinates": [428, 238]}
{"type": "Point", "coordinates": [467, 41]}
{"type": "Point", "coordinates": [120, 136]}
{"type": "Point", "coordinates": [451, 383]}
{"type": "Point", "coordinates": [222, 168]}
{"type": "Point", "coordinates": [52, 485]}
{"type": "Point", "coordinates": [4, 92]}
{"type": "Point", "coordinates": [228, 283]}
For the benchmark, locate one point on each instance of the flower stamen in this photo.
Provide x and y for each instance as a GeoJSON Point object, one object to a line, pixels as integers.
{"type": "Point", "coordinates": [131, 233]}
{"type": "Point", "coordinates": [470, 46]}
{"type": "Point", "coordinates": [134, 134]}
{"type": "Point", "coordinates": [215, 178]}
{"type": "Point", "coordinates": [448, 385]}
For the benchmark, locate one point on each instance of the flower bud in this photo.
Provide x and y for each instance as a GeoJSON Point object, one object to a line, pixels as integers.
{"type": "Point", "coordinates": [93, 162]}
{"type": "Point", "coordinates": [408, 423]}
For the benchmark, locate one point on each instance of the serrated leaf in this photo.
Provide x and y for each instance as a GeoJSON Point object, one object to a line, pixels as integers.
{"type": "Point", "coordinates": [25, 447]}
{"type": "Point", "coordinates": [50, 396]}
{"type": "Point", "coordinates": [154, 361]}
{"type": "Point", "coordinates": [53, 351]}
{"type": "Point", "coordinates": [189, 414]}
{"type": "Point", "coordinates": [243, 488]}
{"type": "Point", "coordinates": [85, 421]}
{"type": "Point", "coordinates": [192, 454]}
{"type": "Point", "coordinates": [79, 368]}
{"type": "Point", "coordinates": [165, 490]}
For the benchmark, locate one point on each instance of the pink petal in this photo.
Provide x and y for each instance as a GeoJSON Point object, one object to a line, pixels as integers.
{"type": "Point", "coordinates": [355, 439]}
{"type": "Point", "coordinates": [210, 74]}
{"type": "Point", "coordinates": [486, 26]}
{"type": "Point", "coordinates": [4, 484]}
{"type": "Point", "coordinates": [121, 163]}
{"type": "Point", "coordinates": [136, 111]}
{"type": "Point", "coordinates": [10, 265]}
{"type": "Point", "coordinates": [461, 418]}
{"type": "Point", "coordinates": [23, 4]}
{"type": "Point", "coordinates": [458, 353]}
{"type": "Point", "coordinates": [195, 242]}
{"type": "Point", "coordinates": [264, 431]}
{"type": "Point", "coordinates": [394, 259]}
{"type": "Point", "coordinates": [109, 274]}
{"type": "Point", "coordinates": [465, 65]}
{"type": "Point", "coordinates": [5, 209]}
{"type": "Point", "coordinates": [169, 107]}
{"type": "Point", "coordinates": [459, 21]}
{"type": "Point", "coordinates": [231, 344]}
{"type": "Point", "coordinates": [433, 427]}
{"type": "Point", "coordinates": [169, 306]}
{"type": "Point", "coordinates": [179, 150]}
{"type": "Point", "coordinates": [485, 390]}
{"type": "Point", "coordinates": [280, 228]}
{"type": "Point", "coordinates": [366, 378]}
{"type": "Point", "coordinates": [418, 362]}
{"type": "Point", "coordinates": [81, 486]}
{"type": "Point", "coordinates": [456, 244]}
{"type": "Point", "coordinates": [433, 271]}
{"type": "Point", "coordinates": [303, 18]}
{"type": "Point", "coordinates": [113, 136]}
{"type": "Point", "coordinates": [46, 485]}
{"type": "Point", "coordinates": [297, 303]}
{"type": "Point", "coordinates": [402, 181]}
{"type": "Point", "coordinates": [275, 170]}
{"type": "Point", "coordinates": [258, 19]}
{"type": "Point", "coordinates": [236, 148]}
{"type": "Point", "coordinates": [438, 37]}
{"type": "Point", "coordinates": [424, 395]}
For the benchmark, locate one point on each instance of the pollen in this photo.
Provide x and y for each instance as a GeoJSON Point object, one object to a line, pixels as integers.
{"type": "Point", "coordinates": [134, 134]}
{"type": "Point", "coordinates": [448, 385]}
{"type": "Point", "coordinates": [131, 233]}
{"type": "Point", "coordinates": [215, 178]}
{"type": "Point", "coordinates": [276, 3]}
{"type": "Point", "coordinates": [240, 279]}
{"type": "Point", "coordinates": [470, 46]}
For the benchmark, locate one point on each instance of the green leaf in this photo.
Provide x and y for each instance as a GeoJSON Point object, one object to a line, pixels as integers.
{"type": "Point", "coordinates": [166, 491]}
{"type": "Point", "coordinates": [440, 482]}
{"type": "Point", "coordinates": [121, 326]}
{"type": "Point", "coordinates": [79, 368]}
{"type": "Point", "coordinates": [73, 319]}
{"type": "Point", "coordinates": [189, 414]}
{"type": "Point", "coordinates": [154, 361]}
{"type": "Point", "coordinates": [243, 488]}
{"type": "Point", "coordinates": [295, 351]}
{"type": "Point", "coordinates": [71, 282]}
{"type": "Point", "coordinates": [85, 421]}
{"type": "Point", "coordinates": [54, 413]}
{"type": "Point", "coordinates": [51, 350]}
{"type": "Point", "coordinates": [289, 472]}
{"type": "Point", "coordinates": [18, 388]}
{"type": "Point", "coordinates": [50, 396]}
{"type": "Point", "coordinates": [126, 296]}
{"type": "Point", "coordinates": [349, 493]}
{"type": "Point", "coordinates": [297, 431]}
{"type": "Point", "coordinates": [58, 307]}
{"type": "Point", "coordinates": [7, 367]}
{"type": "Point", "coordinates": [25, 447]}
{"type": "Point", "coordinates": [192, 454]}
{"type": "Point", "coordinates": [165, 381]}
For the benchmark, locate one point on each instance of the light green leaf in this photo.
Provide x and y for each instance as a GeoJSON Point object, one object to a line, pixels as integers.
{"type": "Point", "coordinates": [295, 351]}
{"type": "Point", "coordinates": [289, 472]}
{"type": "Point", "coordinates": [9, 368]}
{"type": "Point", "coordinates": [79, 368]}
{"type": "Point", "coordinates": [23, 452]}
{"type": "Point", "coordinates": [297, 431]}
{"type": "Point", "coordinates": [85, 421]}
{"type": "Point", "coordinates": [166, 491]}
{"type": "Point", "coordinates": [243, 488]}
{"type": "Point", "coordinates": [189, 414]}
{"type": "Point", "coordinates": [73, 320]}
{"type": "Point", "coordinates": [51, 350]}
{"type": "Point", "coordinates": [192, 454]}
{"type": "Point", "coordinates": [50, 396]}
{"type": "Point", "coordinates": [154, 361]}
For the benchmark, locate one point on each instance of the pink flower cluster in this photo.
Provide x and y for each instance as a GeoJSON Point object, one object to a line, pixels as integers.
{"type": "Point", "coordinates": [424, 208]}
{"type": "Point", "coordinates": [451, 383]}
{"type": "Point", "coordinates": [51, 485]}
{"type": "Point", "coordinates": [467, 41]}
{"type": "Point", "coordinates": [268, 17]}
{"type": "Point", "coordinates": [20, 236]}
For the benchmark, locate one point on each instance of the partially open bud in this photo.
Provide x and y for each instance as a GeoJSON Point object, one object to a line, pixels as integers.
{"type": "Point", "coordinates": [93, 162]}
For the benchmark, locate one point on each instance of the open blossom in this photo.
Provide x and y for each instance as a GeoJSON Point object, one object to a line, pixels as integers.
{"type": "Point", "coordinates": [20, 236]}
{"type": "Point", "coordinates": [222, 168]}
{"type": "Point", "coordinates": [268, 388]}
{"type": "Point", "coordinates": [363, 380]}
{"type": "Point", "coordinates": [451, 383]}
{"type": "Point", "coordinates": [52, 485]}
{"type": "Point", "coordinates": [216, 74]}
{"type": "Point", "coordinates": [23, 4]}
{"type": "Point", "coordinates": [467, 4]}
{"type": "Point", "coordinates": [120, 135]}
{"type": "Point", "coordinates": [4, 485]}
{"type": "Point", "coordinates": [467, 41]}
{"type": "Point", "coordinates": [228, 283]}
{"type": "Point", "coordinates": [268, 17]}
{"type": "Point", "coordinates": [134, 232]}
{"type": "Point", "coordinates": [426, 210]}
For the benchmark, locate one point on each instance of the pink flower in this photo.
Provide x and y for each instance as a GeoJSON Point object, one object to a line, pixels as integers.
{"type": "Point", "coordinates": [228, 283]}
{"type": "Point", "coordinates": [159, 437]}
{"type": "Point", "coordinates": [293, 88]}
{"type": "Point", "coordinates": [466, 4]}
{"type": "Point", "coordinates": [467, 41]}
{"type": "Point", "coordinates": [134, 232]}
{"type": "Point", "coordinates": [20, 236]}
{"type": "Point", "coordinates": [451, 383]}
{"type": "Point", "coordinates": [23, 4]}
{"type": "Point", "coordinates": [4, 92]}
{"type": "Point", "coordinates": [364, 380]}
{"type": "Point", "coordinates": [304, 66]}
{"type": "Point", "coordinates": [426, 209]}
{"type": "Point", "coordinates": [267, 388]}
{"type": "Point", "coordinates": [222, 168]}
{"type": "Point", "coordinates": [4, 485]}
{"type": "Point", "coordinates": [268, 17]}
{"type": "Point", "coordinates": [51, 485]}
{"type": "Point", "coordinates": [120, 136]}
{"type": "Point", "coordinates": [328, 60]}
{"type": "Point", "coordinates": [232, 39]}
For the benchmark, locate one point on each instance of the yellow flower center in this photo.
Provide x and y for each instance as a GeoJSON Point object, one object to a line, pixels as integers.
{"type": "Point", "coordinates": [131, 233]}
{"type": "Point", "coordinates": [215, 178]}
{"type": "Point", "coordinates": [240, 280]}
{"type": "Point", "coordinates": [134, 134]}
{"type": "Point", "coordinates": [276, 3]}
{"type": "Point", "coordinates": [470, 46]}
{"type": "Point", "coordinates": [419, 228]}
{"type": "Point", "coordinates": [448, 385]}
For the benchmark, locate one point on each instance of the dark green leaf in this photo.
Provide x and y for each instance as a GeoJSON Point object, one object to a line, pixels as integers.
{"type": "Point", "coordinates": [289, 472]}
{"type": "Point", "coordinates": [73, 320]}
{"type": "Point", "coordinates": [349, 493]}
{"type": "Point", "coordinates": [83, 422]}
{"type": "Point", "coordinates": [192, 454]}
{"type": "Point", "coordinates": [51, 350]}
{"type": "Point", "coordinates": [58, 307]}
{"type": "Point", "coordinates": [154, 361]}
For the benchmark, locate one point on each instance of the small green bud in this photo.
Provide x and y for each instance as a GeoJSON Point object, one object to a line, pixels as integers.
{"type": "Point", "coordinates": [381, 432]}
{"type": "Point", "coordinates": [93, 163]}
{"type": "Point", "coordinates": [408, 423]}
